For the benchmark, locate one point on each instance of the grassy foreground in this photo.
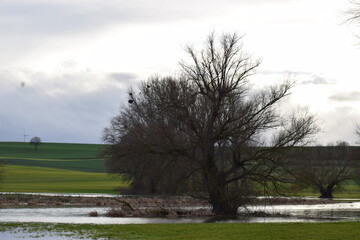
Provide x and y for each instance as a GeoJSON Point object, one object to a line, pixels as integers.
{"type": "Point", "coordinates": [55, 167]}
{"type": "Point", "coordinates": [219, 231]}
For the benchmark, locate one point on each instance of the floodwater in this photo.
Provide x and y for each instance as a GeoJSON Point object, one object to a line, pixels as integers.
{"type": "Point", "coordinates": [17, 235]}
{"type": "Point", "coordinates": [261, 214]}
{"type": "Point", "coordinates": [269, 213]}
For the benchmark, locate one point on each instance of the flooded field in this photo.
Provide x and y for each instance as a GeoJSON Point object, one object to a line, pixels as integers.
{"type": "Point", "coordinates": [316, 211]}
{"type": "Point", "coordinates": [271, 213]}
{"type": "Point", "coordinates": [33, 236]}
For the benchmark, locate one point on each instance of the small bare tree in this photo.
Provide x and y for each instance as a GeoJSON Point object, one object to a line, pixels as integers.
{"type": "Point", "coordinates": [36, 141]}
{"type": "Point", "coordinates": [326, 168]}
{"type": "Point", "coordinates": [207, 129]}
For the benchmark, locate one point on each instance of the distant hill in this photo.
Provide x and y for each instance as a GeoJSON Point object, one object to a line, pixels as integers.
{"type": "Point", "coordinates": [79, 157]}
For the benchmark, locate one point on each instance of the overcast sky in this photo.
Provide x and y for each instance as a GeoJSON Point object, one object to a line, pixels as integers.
{"type": "Point", "coordinates": [65, 65]}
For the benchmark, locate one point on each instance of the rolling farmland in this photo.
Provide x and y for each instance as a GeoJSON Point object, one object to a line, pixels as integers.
{"type": "Point", "coordinates": [55, 167]}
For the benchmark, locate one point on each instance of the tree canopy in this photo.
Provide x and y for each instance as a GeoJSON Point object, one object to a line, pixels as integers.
{"type": "Point", "coordinates": [208, 132]}
{"type": "Point", "coordinates": [325, 168]}
{"type": "Point", "coordinates": [35, 141]}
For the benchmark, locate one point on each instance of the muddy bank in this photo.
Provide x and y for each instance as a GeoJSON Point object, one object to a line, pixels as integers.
{"type": "Point", "coordinates": [25, 200]}
{"type": "Point", "coordinates": [151, 206]}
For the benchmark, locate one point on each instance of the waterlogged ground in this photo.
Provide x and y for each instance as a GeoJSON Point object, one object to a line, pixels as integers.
{"type": "Point", "coordinates": [218, 231]}
{"type": "Point", "coordinates": [76, 209]}
{"type": "Point", "coordinates": [269, 213]}
{"type": "Point", "coordinates": [17, 235]}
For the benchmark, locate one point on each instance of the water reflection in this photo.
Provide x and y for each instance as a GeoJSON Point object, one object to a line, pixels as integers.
{"type": "Point", "coordinates": [272, 213]}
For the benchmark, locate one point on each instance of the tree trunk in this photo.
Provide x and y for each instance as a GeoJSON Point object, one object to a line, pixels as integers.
{"type": "Point", "coordinates": [221, 201]}
{"type": "Point", "coordinates": [223, 207]}
{"type": "Point", "coordinates": [327, 192]}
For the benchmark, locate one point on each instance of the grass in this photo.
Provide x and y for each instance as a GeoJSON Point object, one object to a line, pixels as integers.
{"type": "Point", "coordinates": [84, 165]}
{"type": "Point", "coordinates": [348, 190]}
{"type": "Point", "coordinates": [219, 231]}
{"type": "Point", "coordinates": [41, 179]}
{"type": "Point", "coordinates": [50, 150]}
{"type": "Point", "coordinates": [79, 157]}
{"type": "Point", "coordinates": [55, 167]}
{"type": "Point", "coordinates": [64, 167]}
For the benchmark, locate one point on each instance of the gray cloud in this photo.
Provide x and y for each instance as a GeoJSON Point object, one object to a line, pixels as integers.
{"type": "Point", "coordinates": [285, 72]}
{"type": "Point", "coordinates": [51, 17]}
{"type": "Point", "coordinates": [339, 124]}
{"type": "Point", "coordinates": [55, 107]}
{"type": "Point", "coordinates": [316, 80]}
{"type": "Point", "coordinates": [353, 96]}
{"type": "Point", "coordinates": [310, 78]}
{"type": "Point", "coordinates": [124, 78]}
{"type": "Point", "coordinates": [56, 17]}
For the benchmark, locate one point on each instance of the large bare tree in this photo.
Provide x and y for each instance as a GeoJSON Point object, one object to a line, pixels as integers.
{"type": "Point", "coordinates": [353, 14]}
{"type": "Point", "coordinates": [207, 132]}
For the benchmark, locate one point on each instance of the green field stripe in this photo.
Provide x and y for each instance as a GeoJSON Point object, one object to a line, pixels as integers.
{"type": "Point", "coordinates": [42, 179]}
{"type": "Point", "coordinates": [51, 159]}
{"type": "Point", "coordinates": [88, 165]}
{"type": "Point", "coordinates": [50, 150]}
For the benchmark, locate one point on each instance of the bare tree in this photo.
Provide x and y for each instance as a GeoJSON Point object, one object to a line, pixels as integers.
{"type": "Point", "coordinates": [326, 168]}
{"type": "Point", "coordinates": [354, 12]}
{"type": "Point", "coordinates": [36, 141]}
{"type": "Point", "coordinates": [207, 129]}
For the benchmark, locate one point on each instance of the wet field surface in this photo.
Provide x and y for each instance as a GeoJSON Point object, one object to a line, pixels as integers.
{"type": "Point", "coordinates": [271, 213]}
{"type": "Point", "coordinates": [330, 212]}
{"type": "Point", "coordinates": [32, 236]}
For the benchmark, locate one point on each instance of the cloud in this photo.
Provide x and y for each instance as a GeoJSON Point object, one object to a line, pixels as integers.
{"type": "Point", "coordinates": [353, 96]}
{"type": "Point", "coordinates": [124, 78]}
{"type": "Point", "coordinates": [339, 124]}
{"type": "Point", "coordinates": [68, 106]}
{"type": "Point", "coordinates": [302, 77]}
{"type": "Point", "coordinates": [60, 17]}
{"type": "Point", "coordinates": [63, 16]}
{"type": "Point", "coordinates": [316, 80]}
{"type": "Point", "coordinates": [285, 72]}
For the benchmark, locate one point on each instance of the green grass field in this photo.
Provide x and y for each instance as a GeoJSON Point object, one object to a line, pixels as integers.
{"type": "Point", "coordinates": [55, 167]}
{"type": "Point", "coordinates": [218, 231]}
{"type": "Point", "coordinates": [50, 150]}
{"type": "Point", "coordinates": [70, 168]}
{"type": "Point", "coordinates": [348, 190]}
